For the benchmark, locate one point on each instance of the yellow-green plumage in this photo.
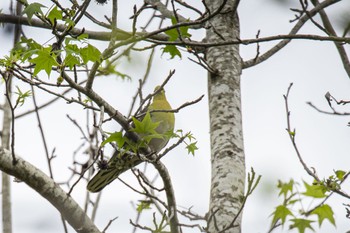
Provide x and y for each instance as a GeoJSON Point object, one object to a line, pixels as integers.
{"type": "Point", "coordinates": [121, 163]}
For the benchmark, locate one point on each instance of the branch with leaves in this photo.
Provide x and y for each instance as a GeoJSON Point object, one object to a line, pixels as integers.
{"type": "Point", "coordinates": [318, 189]}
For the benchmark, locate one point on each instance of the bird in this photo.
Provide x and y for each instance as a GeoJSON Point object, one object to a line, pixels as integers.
{"type": "Point", "coordinates": [121, 162]}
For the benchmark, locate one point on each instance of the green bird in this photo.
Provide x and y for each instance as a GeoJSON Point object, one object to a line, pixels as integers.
{"type": "Point", "coordinates": [120, 163]}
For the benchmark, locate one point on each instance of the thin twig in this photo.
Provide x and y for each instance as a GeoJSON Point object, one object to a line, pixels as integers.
{"type": "Point", "coordinates": [292, 135]}
{"type": "Point", "coordinates": [43, 138]}
{"type": "Point", "coordinates": [109, 224]}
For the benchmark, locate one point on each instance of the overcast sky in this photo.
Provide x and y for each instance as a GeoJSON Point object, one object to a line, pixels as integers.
{"type": "Point", "coordinates": [313, 67]}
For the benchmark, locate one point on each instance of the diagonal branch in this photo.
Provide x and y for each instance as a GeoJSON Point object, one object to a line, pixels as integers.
{"type": "Point", "coordinates": [294, 30]}
{"type": "Point", "coordinates": [95, 35]}
{"type": "Point", "coordinates": [340, 47]}
{"type": "Point", "coordinates": [48, 189]}
{"type": "Point", "coordinates": [170, 195]}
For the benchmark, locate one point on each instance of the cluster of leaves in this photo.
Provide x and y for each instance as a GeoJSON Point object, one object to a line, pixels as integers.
{"type": "Point", "coordinates": [175, 34]}
{"type": "Point", "coordinates": [75, 52]}
{"type": "Point", "coordinates": [146, 128]}
{"type": "Point", "coordinates": [21, 96]}
{"type": "Point", "coordinates": [52, 15]}
{"type": "Point", "coordinates": [302, 219]}
{"type": "Point", "coordinates": [77, 56]}
{"type": "Point", "coordinates": [45, 57]}
{"type": "Point", "coordinates": [191, 143]}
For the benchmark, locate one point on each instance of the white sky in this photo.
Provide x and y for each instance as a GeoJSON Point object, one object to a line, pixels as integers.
{"type": "Point", "coordinates": [313, 67]}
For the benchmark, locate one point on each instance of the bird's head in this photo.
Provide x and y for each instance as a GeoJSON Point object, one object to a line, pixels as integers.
{"type": "Point", "coordinates": [160, 93]}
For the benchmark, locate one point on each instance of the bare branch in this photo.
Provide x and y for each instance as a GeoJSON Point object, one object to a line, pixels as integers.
{"type": "Point", "coordinates": [43, 138]}
{"type": "Point", "coordinates": [326, 112]}
{"type": "Point", "coordinates": [292, 33]}
{"type": "Point", "coordinates": [164, 10]}
{"type": "Point", "coordinates": [172, 208]}
{"type": "Point", "coordinates": [49, 190]}
{"type": "Point", "coordinates": [340, 47]}
{"type": "Point", "coordinates": [292, 135]}
{"type": "Point", "coordinates": [329, 99]}
{"type": "Point", "coordinates": [109, 224]}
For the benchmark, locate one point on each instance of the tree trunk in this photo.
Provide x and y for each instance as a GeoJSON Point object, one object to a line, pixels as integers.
{"type": "Point", "coordinates": [5, 138]}
{"type": "Point", "coordinates": [227, 154]}
{"type": "Point", "coordinates": [6, 185]}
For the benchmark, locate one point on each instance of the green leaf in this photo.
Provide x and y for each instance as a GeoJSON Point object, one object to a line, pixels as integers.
{"type": "Point", "coordinates": [174, 33]}
{"type": "Point", "coordinates": [22, 96]}
{"type": "Point", "coordinates": [316, 191]}
{"type": "Point", "coordinates": [285, 187]}
{"type": "Point", "coordinates": [26, 48]}
{"type": "Point", "coordinates": [146, 126]}
{"type": "Point", "coordinates": [72, 49]}
{"type": "Point", "coordinates": [172, 50]}
{"type": "Point", "coordinates": [191, 148]}
{"type": "Point", "coordinates": [32, 9]}
{"type": "Point", "coordinates": [115, 137]}
{"type": "Point", "coordinates": [69, 23]}
{"type": "Point", "coordinates": [54, 14]}
{"type": "Point", "coordinates": [71, 61]}
{"type": "Point", "coordinates": [143, 205]}
{"type": "Point", "coordinates": [45, 60]}
{"type": "Point", "coordinates": [111, 68]}
{"type": "Point", "coordinates": [281, 213]}
{"type": "Point", "coordinates": [90, 53]}
{"type": "Point", "coordinates": [324, 212]}
{"type": "Point", "coordinates": [83, 36]}
{"type": "Point", "coordinates": [190, 136]}
{"type": "Point", "coordinates": [340, 174]}
{"type": "Point", "coordinates": [30, 43]}
{"type": "Point", "coordinates": [301, 224]}
{"type": "Point", "coordinates": [9, 61]}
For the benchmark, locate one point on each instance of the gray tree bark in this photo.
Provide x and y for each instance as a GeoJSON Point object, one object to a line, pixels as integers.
{"type": "Point", "coordinates": [6, 187]}
{"type": "Point", "coordinates": [48, 189]}
{"type": "Point", "coordinates": [227, 153]}
{"type": "Point", "coordinates": [5, 140]}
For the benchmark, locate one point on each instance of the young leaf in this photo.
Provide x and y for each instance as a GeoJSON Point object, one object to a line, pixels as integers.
{"type": "Point", "coordinates": [324, 212]}
{"type": "Point", "coordinates": [174, 33]}
{"type": "Point", "coordinates": [191, 148]}
{"type": "Point", "coordinates": [54, 14]}
{"type": "Point", "coordinates": [143, 205]}
{"type": "Point", "coordinates": [172, 50]}
{"type": "Point", "coordinates": [316, 191]}
{"type": "Point", "coordinates": [32, 9]}
{"type": "Point", "coordinates": [301, 224]}
{"type": "Point", "coordinates": [44, 61]}
{"type": "Point", "coordinates": [22, 96]}
{"type": "Point", "coordinates": [146, 126]}
{"type": "Point", "coordinates": [115, 137]}
{"type": "Point", "coordinates": [90, 53]}
{"type": "Point", "coordinates": [281, 213]}
{"type": "Point", "coordinates": [285, 187]}
{"type": "Point", "coordinates": [340, 174]}
{"type": "Point", "coordinates": [70, 61]}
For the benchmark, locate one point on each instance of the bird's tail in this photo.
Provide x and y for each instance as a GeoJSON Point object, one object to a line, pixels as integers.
{"type": "Point", "coordinates": [116, 166]}
{"type": "Point", "coordinates": [102, 179]}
